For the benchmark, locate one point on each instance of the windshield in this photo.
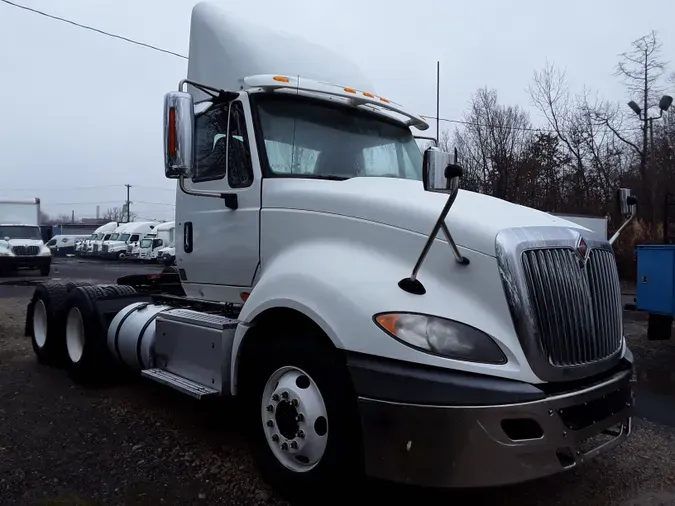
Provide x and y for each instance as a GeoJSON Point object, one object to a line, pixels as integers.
{"type": "Point", "coordinates": [114, 237]}
{"type": "Point", "coordinates": [311, 138]}
{"type": "Point", "coordinates": [93, 237]}
{"type": "Point", "coordinates": [146, 243]}
{"type": "Point", "coordinates": [20, 232]}
{"type": "Point", "coordinates": [125, 237]}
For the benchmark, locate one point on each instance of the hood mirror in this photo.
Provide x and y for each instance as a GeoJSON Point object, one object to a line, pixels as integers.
{"type": "Point", "coordinates": [440, 174]}
{"type": "Point", "coordinates": [627, 203]}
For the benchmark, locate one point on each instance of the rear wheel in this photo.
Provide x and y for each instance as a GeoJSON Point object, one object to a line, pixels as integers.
{"type": "Point", "coordinates": [302, 416]}
{"type": "Point", "coordinates": [88, 360]}
{"type": "Point", "coordinates": [45, 321]}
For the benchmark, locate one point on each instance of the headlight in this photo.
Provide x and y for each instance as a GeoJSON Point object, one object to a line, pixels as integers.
{"type": "Point", "coordinates": [440, 336]}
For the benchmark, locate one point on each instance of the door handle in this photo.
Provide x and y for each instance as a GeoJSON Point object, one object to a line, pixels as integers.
{"type": "Point", "coordinates": [187, 237]}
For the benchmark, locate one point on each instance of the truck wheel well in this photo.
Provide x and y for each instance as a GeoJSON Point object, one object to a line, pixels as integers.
{"type": "Point", "coordinates": [263, 330]}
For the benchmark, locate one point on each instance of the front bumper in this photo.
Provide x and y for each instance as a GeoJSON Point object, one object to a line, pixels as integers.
{"type": "Point", "coordinates": [467, 444]}
{"type": "Point", "coordinates": [27, 262]}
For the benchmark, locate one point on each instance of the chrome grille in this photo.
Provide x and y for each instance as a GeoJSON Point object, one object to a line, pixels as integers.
{"type": "Point", "coordinates": [577, 309]}
{"type": "Point", "coordinates": [95, 248]}
{"type": "Point", "coordinates": [25, 251]}
{"type": "Point", "coordinates": [105, 248]}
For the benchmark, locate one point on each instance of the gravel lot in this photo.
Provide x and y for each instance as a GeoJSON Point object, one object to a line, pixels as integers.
{"type": "Point", "coordinates": [142, 444]}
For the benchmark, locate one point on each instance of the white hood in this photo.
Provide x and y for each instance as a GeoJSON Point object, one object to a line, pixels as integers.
{"type": "Point", "coordinates": [21, 242]}
{"type": "Point", "coordinates": [474, 219]}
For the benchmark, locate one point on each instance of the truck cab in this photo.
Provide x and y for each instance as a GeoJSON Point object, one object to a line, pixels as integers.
{"type": "Point", "coordinates": [126, 236]}
{"type": "Point", "coordinates": [371, 317]}
{"type": "Point", "coordinates": [159, 238]}
{"type": "Point", "coordinates": [21, 241]}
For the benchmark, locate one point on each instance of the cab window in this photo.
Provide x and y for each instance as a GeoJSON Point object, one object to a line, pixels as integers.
{"type": "Point", "coordinates": [221, 146]}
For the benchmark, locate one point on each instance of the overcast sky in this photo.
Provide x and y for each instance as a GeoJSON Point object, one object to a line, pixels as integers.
{"type": "Point", "coordinates": [82, 113]}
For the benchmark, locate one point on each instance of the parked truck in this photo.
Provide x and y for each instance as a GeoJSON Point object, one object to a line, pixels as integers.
{"type": "Point", "coordinates": [369, 317]}
{"type": "Point", "coordinates": [92, 245]}
{"type": "Point", "coordinates": [160, 237]}
{"type": "Point", "coordinates": [126, 236]}
{"type": "Point", "coordinates": [21, 242]}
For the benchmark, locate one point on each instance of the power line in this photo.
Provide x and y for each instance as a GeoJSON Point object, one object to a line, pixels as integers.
{"type": "Point", "coordinates": [507, 127]}
{"type": "Point", "coordinates": [94, 203]}
{"type": "Point", "coordinates": [161, 50]}
{"type": "Point", "coordinates": [62, 187]}
{"type": "Point", "coordinates": [173, 190]}
{"type": "Point", "coordinates": [154, 203]}
{"type": "Point", "coordinates": [91, 28]}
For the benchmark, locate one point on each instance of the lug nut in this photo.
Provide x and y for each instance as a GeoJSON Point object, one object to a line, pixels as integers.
{"type": "Point", "coordinates": [284, 395]}
{"type": "Point", "coordinates": [270, 423]}
{"type": "Point", "coordinates": [275, 398]}
{"type": "Point", "coordinates": [294, 445]}
{"type": "Point", "coordinates": [300, 417]}
{"type": "Point", "coordinates": [270, 408]}
{"type": "Point", "coordinates": [301, 433]}
{"type": "Point", "coordinates": [275, 438]}
{"type": "Point", "coordinates": [294, 402]}
{"type": "Point", "coordinates": [284, 446]}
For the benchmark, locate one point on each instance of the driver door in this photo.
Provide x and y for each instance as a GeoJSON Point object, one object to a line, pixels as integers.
{"type": "Point", "coordinates": [218, 243]}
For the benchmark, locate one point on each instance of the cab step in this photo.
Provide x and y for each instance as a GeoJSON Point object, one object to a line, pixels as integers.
{"type": "Point", "coordinates": [186, 386]}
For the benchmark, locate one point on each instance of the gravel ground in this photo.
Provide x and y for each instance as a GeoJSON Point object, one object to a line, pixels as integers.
{"type": "Point", "coordinates": [142, 444]}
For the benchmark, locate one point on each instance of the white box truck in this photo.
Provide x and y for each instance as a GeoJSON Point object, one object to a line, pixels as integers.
{"type": "Point", "coordinates": [595, 224]}
{"type": "Point", "coordinates": [370, 318]}
{"type": "Point", "coordinates": [21, 245]}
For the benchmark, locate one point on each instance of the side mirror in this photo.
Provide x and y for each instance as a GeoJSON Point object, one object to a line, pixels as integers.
{"type": "Point", "coordinates": [179, 127]}
{"type": "Point", "coordinates": [440, 173]}
{"type": "Point", "coordinates": [627, 204]}
{"type": "Point", "coordinates": [626, 201]}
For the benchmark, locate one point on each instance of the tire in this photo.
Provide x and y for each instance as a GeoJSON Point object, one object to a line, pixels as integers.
{"type": "Point", "coordinates": [120, 256]}
{"type": "Point", "coordinates": [328, 438]}
{"type": "Point", "coordinates": [45, 321]}
{"type": "Point", "coordinates": [87, 358]}
{"type": "Point", "coordinates": [45, 270]}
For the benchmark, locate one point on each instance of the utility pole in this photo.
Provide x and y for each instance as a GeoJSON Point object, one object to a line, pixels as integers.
{"type": "Point", "coordinates": [647, 152]}
{"type": "Point", "coordinates": [128, 203]}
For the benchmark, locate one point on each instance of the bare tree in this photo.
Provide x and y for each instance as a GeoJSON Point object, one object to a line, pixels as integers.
{"type": "Point", "coordinates": [490, 144]}
{"type": "Point", "coordinates": [641, 70]}
{"type": "Point", "coordinates": [594, 160]}
{"type": "Point", "coordinates": [118, 214]}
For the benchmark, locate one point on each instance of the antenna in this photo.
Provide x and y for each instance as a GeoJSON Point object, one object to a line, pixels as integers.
{"type": "Point", "coordinates": [438, 103]}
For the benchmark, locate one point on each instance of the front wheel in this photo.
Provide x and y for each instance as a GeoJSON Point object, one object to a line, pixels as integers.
{"type": "Point", "coordinates": [302, 416]}
{"type": "Point", "coordinates": [45, 270]}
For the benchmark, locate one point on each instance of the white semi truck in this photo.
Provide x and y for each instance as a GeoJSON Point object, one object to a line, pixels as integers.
{"type": "Point", "coordinates": [126, 236]}
{"type": "Point", "coordinates": [92, 245]}
{"type": "Point", "coordinates": [369, 317]}
{"type": "Point", "coordinates": [21, 244]}
{"type": "Point", "coordinates": [160, 237]}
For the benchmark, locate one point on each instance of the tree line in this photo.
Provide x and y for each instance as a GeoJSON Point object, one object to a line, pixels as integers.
{"type": "Point", "coordinates": [587, 148]}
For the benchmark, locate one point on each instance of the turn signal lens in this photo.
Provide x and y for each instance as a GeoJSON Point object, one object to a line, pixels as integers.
{"type": "Point", "coordinates": [441, 336]}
